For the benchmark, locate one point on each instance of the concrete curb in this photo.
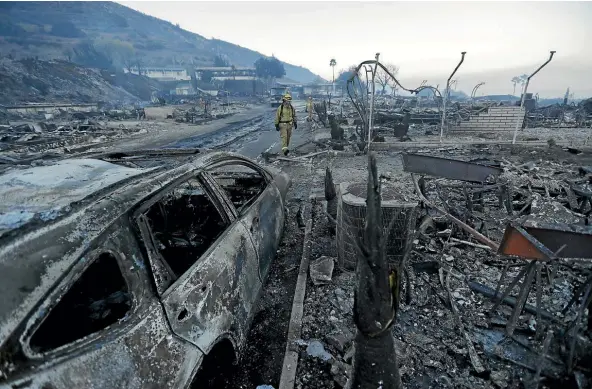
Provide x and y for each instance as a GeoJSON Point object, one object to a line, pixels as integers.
{"type": "Point", "coordinates": [290, 365]}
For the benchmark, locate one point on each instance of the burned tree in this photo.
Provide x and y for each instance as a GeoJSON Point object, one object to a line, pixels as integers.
{"type": "Point", "coordinates": [332, 200]}
{"type": "Point", "coordinates": [384, 79]}
{"type": "Point", "coordinates": [375, 301]}
{"type": "Point", "coordinates": [321, 111]}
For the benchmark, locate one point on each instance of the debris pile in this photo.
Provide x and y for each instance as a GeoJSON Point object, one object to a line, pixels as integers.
{"type": "Point", "coordinates": [206, 110]}
{"type": "Point", "coordinates": [471, 315]}
{"type": "Point", "coordinates": [23, 142]}
{"type": "Point", "coordinates": [561, 115]}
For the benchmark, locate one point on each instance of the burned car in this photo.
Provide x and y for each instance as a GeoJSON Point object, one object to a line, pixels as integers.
{"type": "Point", "coordinates": [121, 271]}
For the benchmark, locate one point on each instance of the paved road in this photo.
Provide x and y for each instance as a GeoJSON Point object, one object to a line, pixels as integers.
{"type": "Point", "coordinates": [175, 134]}
{"type": "Point", "coordinates": [249, 133]}
{"type": "Point", "coordinates": [266, 138]}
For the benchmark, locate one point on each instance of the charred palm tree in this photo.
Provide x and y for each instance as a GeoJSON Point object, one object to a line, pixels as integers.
{"type": "Point", "coordinates": [375, 302]}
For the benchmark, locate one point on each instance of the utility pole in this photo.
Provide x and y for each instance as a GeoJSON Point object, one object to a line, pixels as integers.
{"type": "Point", "coordinates": [446, 91]}
{"type": "Point", "coordinates": [524, 93]}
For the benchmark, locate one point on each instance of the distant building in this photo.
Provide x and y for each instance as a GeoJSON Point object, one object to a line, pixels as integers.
{"type": "Point", "coordinates": [184, 89]}
{"type": "Point", "coordinates": [322, 90]}
{"type": "Point", "coordinates": [244, 87]}
{"type": "Point", "coordinates": [227, 73]}
{"type": "Point", "coordinates": [48, 108]}
{"type": "Point", "coordinates": [164, 73]}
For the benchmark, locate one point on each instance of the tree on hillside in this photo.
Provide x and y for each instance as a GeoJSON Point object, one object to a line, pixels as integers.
{"type": "Point", "coordinates": [206, 76]}
{"type": "Point", "coordinates": [269, 69]}
{"type": "Point", "coordinates": [139, 63]}
{"type": "Point", "coordinates": [129, 61]}
{"type": "Point", "coordinates": [383, 79]}
{"type": "Point", "coordinates": [119, 53]}
{"type": "Point", "coordinates": [127, 56]}
{"type": "Point", "coordinates": [221, 62]}
{"type": "Point", "coordinates": [87, 54]}
{"type": "Point", "coordinates": [344, 75]}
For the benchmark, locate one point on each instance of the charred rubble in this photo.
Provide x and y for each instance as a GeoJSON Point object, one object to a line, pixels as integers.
{"type": "Point", "coordinates": [497, 285]}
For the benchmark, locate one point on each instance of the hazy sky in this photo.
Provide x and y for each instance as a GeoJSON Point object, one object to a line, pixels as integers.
{"type": "Point", "coordinates": [424, 38]}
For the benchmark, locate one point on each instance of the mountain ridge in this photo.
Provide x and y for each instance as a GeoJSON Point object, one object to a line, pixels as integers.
{"type": "Point", "coordinates": [52, 30]}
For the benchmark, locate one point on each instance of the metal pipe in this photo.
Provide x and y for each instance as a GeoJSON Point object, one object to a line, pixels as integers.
{"type": "Point", "coordinates": [372, 62]}
{"type": "Point", "coordinates": [524, 93]}
{"type": "Point", "coordinates": [446, 95]}
{"type": "Point", "coordinates": [434, 91]}
{"type": "Point", "coordinates": [371, 116]}
{"type": "Point", "coordinates": [355, 75]}
{"type": "Point", "coordinates": [474, 93]}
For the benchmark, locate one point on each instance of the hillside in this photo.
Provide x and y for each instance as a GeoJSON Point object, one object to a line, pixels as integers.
{"type": "Point", "coordinates": [90, 33]}
{"type": "Point", "coordinates": [30, 80]}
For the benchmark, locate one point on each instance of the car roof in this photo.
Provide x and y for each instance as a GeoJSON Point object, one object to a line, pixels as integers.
{"type": "Point", "coordinates": [47, 192]}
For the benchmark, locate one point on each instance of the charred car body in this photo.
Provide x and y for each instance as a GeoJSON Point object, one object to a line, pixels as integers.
{"type": "Point", "coordinates": [120, 272]}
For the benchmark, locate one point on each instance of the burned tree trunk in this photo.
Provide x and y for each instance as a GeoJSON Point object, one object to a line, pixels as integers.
{"type": "Point", "coordinates": [375, 361]}
{"type": "Point", "coordinates": [321, 110]}
{"type": "Point", "coordinates": [331, 197]}
{"type": "Point", "coordinates": [337, 133]}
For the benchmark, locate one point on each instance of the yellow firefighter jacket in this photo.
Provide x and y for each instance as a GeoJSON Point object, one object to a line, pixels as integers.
{"type": "Point", "coordinates": [285, 114]}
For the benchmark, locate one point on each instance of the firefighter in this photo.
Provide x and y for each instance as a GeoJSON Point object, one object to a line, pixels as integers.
{"type": "Point", "coordinates": [309, 108]}
{"type": "Point", "coordinates": [285, 118]}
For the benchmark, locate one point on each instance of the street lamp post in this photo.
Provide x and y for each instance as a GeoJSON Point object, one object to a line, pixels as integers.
{"type": "Point", "coordinates": [446, 92]}
{"type": "Point", "coordinates": [524, 94]}
{"type": "Point", "coordinates": [370, 117]}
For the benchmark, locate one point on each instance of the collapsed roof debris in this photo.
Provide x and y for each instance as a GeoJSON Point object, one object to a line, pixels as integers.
{"type": "Point", "coordinates": [466, 318]}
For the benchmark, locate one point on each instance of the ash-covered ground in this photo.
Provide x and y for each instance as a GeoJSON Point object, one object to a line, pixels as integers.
{"type": "Point", "coordinates": [432, 346]}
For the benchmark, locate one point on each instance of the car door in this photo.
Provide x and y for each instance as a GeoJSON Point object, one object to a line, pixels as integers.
{"type": "Point", "coordinates": [102, 324]}
{"type": "Point", "coordinates": [258, 205]}
{"type": "Point", "coordinates": [207, 292]}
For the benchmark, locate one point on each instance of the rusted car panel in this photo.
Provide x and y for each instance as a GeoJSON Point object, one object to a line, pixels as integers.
{"type": "Point", "coordinates": [41, 259]}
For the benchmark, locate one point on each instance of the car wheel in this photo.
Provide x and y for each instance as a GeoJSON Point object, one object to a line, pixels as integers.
{"type": "Point", "coordinates": [217, 368]}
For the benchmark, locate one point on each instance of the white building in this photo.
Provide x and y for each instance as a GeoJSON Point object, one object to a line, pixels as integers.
{"type": "Point", "coordinates": [227, 73]}
{"type": "Point", "coordinates": [164, 73]}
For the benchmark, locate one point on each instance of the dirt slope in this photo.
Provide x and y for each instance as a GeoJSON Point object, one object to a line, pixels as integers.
{"type": "Point", "coordinates": [31, 80]}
